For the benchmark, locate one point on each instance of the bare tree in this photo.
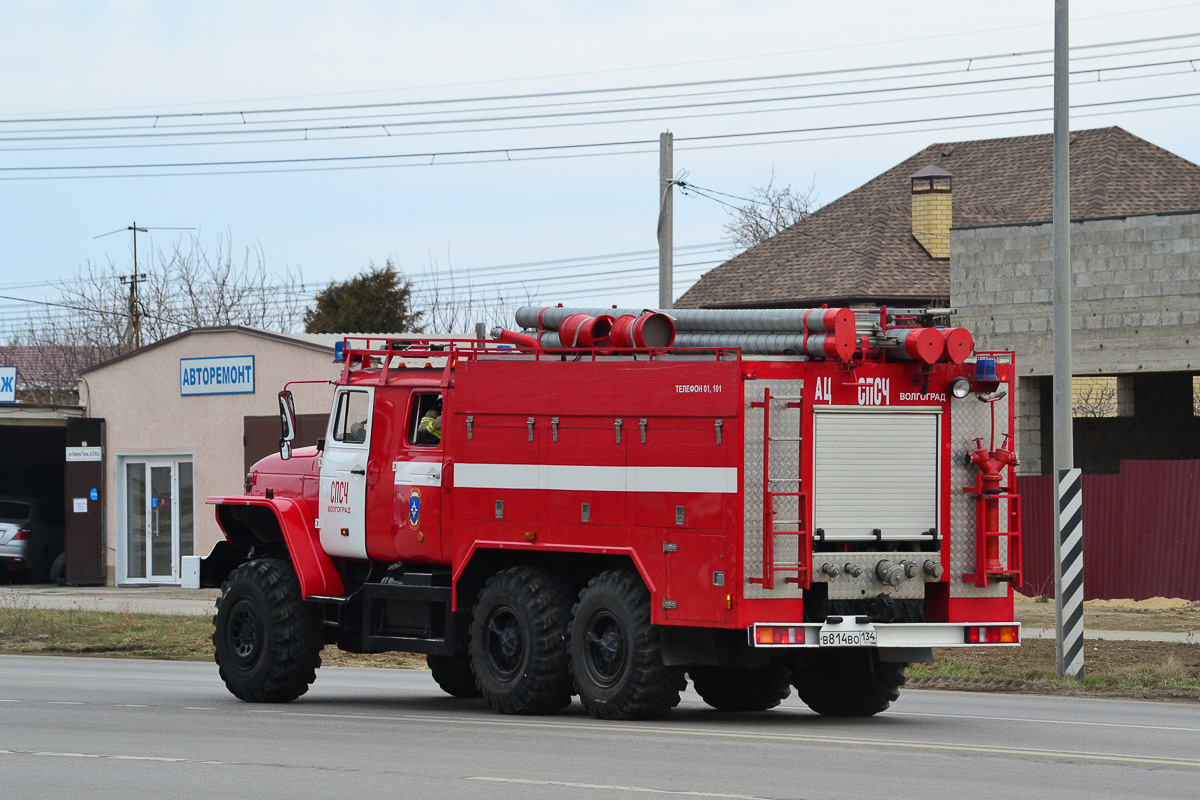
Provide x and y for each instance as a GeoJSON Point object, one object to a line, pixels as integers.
{"type": "Point", "coordinates": [454, 302]}
{"type": "Point", "coordinates": [186, 286]}
{"type": "Point", "coordinates": [771, 209]}
{"type": "Point", "coordinates": [1094, 397]}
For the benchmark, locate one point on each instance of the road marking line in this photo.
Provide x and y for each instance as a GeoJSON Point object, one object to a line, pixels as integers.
{"type": "Point", "coordinates": [1066, 755]}
{"type": "Point", "coordinates": [64, 703]}
{"type": "Point", "coordinates": [612, 788]}
{"type": "Point", "coordinates": [1046, 721]}
{"type": "Point", "coordinates": [198, 708]}
{"type": "Point", "coordinates": [114, 757]}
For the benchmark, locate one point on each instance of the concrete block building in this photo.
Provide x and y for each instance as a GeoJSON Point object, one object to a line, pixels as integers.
{"type": "Point", "coordinates": [1135, 330]}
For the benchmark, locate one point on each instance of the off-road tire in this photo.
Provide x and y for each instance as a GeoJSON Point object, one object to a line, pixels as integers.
{"type": "Point", "coordinates": [849, 683]}
{"type": "Point", "coordinates": [454, 675]}
{"type": "Point", "coordinates": [518, 641]}
{"type": "Point", "coordinates": [616, 656]}
{"type": "Point", "coordinates": [267, 641]}
{"type": "Point", "coordinates": [757, 689]}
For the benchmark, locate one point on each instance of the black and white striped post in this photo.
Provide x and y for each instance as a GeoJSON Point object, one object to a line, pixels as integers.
{"type": "Point", "coordinates": [1068, 574]}
{"type": "Point", "coordinates": [1068, 537]}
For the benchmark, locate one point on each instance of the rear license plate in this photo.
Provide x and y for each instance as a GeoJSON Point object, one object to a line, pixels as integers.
{"type": "Point", "coordinates": [858, 637]}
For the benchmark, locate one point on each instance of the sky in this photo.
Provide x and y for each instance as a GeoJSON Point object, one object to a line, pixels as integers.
{"type": "Point", "coordinates": [507, 152]}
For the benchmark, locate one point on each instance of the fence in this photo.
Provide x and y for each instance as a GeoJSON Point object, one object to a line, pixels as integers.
{"type": "Point", "coordinates": [1141, 531]}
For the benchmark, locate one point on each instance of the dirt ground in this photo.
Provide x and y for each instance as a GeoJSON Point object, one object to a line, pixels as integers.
{"type": "Point", "coordinates": [1154, 614]}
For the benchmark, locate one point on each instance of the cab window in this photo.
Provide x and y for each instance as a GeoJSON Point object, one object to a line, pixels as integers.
{"type": "Point", "coordinates": [350, 423]}
{"type": "Point", "coordinates": [425, 421]}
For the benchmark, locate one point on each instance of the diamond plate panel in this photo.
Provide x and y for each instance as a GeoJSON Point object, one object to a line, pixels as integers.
{"type": "Point", "coordinates": [971, 419]}
{"type": "Point", "coordinates": [785, 477]}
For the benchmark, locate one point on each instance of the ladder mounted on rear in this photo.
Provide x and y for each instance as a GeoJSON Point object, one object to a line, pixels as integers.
{"type": "Point", "coordinates": [773, 487]}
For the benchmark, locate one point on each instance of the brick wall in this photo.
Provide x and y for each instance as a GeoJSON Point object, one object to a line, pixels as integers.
{"type": "Point", "coordinates": [931, 215]}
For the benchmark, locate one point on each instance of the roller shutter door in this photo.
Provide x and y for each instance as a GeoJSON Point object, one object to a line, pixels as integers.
{"type": "Point", "coordinates": [875, 470]}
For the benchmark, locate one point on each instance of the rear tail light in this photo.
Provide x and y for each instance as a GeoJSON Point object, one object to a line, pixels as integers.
{"type": "Point", "coordinates": [993, 634]}
{"type": "Point", "coordinates": [22, 535]}
{"type": "Point", "coordinates": [778, 634]}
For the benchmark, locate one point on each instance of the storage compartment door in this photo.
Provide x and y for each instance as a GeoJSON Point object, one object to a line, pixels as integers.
{"type": "Point", "coordinates": [875, 470]}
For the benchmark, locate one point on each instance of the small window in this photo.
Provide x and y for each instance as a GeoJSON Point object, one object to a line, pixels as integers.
{"type": "Point", "coordinates": [428, 404]}
{"type": "Point", "coordinates": [350, 424]}
{"type": "Point", "coordinates": [1102, 396]}
{"type": "Point", "coordinates": [1196, 395]}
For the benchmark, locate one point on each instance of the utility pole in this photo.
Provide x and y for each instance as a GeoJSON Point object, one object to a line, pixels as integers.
{"type": "Point", "coordinates": [135, 313]}
{"type": "Point", "coordinates": [1068, 527]}
{"type": "Point", "coordinates": [666, 211]}
{"type": "Point", "coordinates": [133, 335]}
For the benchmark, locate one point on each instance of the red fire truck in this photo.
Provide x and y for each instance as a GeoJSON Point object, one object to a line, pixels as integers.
{"type": "Point", "coordinates": [620, 501]}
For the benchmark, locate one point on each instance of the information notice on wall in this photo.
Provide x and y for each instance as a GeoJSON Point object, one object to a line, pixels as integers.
{"type": "Point", "coordinates": [216, 375]}
{"type": "Point", "coordinates": [84, 453]}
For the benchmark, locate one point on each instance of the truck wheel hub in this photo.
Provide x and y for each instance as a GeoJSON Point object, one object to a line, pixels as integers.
{"type": "Point", "coordinates": [605, 649]}
{"type": "Point", "coordinates": [505, 643]}
{"type": "Point", "coordinates": [245, 632]}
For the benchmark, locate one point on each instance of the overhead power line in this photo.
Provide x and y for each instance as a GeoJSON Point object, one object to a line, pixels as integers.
{"type": "Point", "coordinates": [384, 130]}
{"type": "Point", "coordinates": [497, 151]}
{"type": "Point", "coordinates": [494, 159]}
{"type": "Point", "coordinates": [571, 92]}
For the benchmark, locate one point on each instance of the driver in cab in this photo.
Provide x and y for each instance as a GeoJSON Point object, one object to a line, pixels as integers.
{"type": "Point", "coordinates": [429, 429]}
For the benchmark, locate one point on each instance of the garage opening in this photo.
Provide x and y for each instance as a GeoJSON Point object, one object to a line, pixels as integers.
{"type": "Point", "coordinates": [32, 469]}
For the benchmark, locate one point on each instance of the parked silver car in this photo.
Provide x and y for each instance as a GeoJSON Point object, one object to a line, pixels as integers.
{"type": "Point", "coordinates": [31, 539]}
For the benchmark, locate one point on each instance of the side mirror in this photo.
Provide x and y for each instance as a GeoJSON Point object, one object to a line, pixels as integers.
{"type": "Point", "coordinates": [287, 424]}
{"type": "Point", "coordinates": [287, 415]}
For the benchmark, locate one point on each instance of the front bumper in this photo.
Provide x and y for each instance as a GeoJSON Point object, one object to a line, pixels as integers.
{"type": "Point", "coordinates": [857, 632]}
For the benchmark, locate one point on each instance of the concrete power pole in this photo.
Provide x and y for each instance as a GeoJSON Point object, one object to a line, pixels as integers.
{"type": "Point", "coordinates": [666, 221]}
{"type": "Point", "coordinates": [1068, 528]}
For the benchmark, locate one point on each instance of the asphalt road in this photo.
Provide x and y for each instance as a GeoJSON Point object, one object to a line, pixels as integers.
{"type": "Point", "coordinates": [109, 728]}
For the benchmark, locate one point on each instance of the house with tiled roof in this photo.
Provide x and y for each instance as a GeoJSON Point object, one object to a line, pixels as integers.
{"type": "Point", "coordinates": [967, 224]}
{"type": "Point", "coordinates": [863, 248]}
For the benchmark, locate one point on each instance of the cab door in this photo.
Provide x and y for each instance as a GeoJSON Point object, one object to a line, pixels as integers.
{"type": "Point", "coordinates": [418, 484]}
{"type": "Point", "coordinates": [343, 492]}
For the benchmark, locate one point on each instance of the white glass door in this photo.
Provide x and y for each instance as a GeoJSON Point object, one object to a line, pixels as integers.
{"type": "Point", "coordinates": [162, 534]}
{"type": "Point", "coordinates": [159, 519]}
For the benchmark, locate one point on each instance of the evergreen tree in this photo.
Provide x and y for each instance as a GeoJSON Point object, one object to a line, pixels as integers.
{"type": "Point", "coordinates": [378, 300]}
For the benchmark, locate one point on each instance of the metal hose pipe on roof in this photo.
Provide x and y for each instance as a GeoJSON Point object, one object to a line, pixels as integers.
{"type": "Point", "coordinates": [817, 345]}
{"type": "Point", "coordinates": [752, 320]}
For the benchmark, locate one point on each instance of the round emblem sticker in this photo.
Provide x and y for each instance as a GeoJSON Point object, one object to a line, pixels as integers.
{"type": "Point", "coordinates": [414, 507]}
